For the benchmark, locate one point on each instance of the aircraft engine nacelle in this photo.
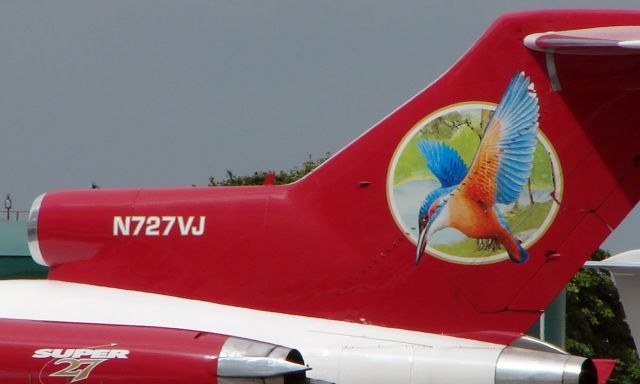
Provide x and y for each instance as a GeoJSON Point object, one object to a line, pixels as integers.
{"type": "Point", "coordinates": [518, 365]}
{"type": "Point", "coordinates": [457, 364]}
{"type": "Point", "coordinates": [56, 352]}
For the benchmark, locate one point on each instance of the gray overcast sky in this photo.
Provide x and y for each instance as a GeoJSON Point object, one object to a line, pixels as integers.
{"type": "Point", "coordinates": [168, 93]}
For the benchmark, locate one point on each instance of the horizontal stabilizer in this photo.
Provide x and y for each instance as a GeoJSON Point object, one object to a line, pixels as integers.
{"type": "Point", "coordinates": [619, 40]}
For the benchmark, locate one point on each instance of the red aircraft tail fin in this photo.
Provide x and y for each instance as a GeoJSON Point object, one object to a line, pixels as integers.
{"type": "Point", "coordinates": [529, 142]}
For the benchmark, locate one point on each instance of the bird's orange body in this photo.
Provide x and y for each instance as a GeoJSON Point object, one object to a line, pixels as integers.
{"type": "Point", "coordinates": [475, 219]}
{"type": "Point", "coordinates": [472, 206]}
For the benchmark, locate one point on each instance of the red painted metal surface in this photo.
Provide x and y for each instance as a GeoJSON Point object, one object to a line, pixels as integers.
{"type": "Point", "coordinates": [51, 353]}
{"type": "Point", "coordinates": [328, 245]}
{"type": "Point", "coordinates": [605, 368]}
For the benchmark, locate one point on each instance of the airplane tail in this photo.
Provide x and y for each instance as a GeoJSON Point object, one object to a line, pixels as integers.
{"type": "Point", "coordinates": [534, 129]}
{"type": "Point", "coordinates": [581, 181]}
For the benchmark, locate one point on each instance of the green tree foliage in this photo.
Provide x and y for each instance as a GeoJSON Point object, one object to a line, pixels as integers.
{"type": "Point", "coordinates": [282, 177]}
{"type": "Point", "coordinates": [595, 322]}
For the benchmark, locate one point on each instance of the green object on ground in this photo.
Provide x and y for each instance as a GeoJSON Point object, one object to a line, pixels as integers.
{"type": "Point", "coordinates": [15, 258]}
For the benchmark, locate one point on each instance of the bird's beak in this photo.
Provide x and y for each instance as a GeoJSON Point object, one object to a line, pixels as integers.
{"type": "Point", "coordinates": [421, 245]}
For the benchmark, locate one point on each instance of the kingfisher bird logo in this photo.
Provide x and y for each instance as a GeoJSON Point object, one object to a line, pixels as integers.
{"type": "Point", "coordinates": [476, 183]}
{"type": "Point", "coordinates": [77, 364]}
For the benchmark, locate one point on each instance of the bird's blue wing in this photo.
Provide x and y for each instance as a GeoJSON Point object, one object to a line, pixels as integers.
{"type": "Point", "coordinates": [517, 115]}
{"type": "Point", "coordinates": [443, 161]}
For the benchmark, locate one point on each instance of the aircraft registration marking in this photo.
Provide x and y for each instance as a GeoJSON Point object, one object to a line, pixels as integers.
{"type": "Point", "coordinates": [158, 225]}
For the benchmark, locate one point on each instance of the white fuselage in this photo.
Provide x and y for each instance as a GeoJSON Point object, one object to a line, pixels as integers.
{"type": "Point", "coordinates": [336, 351]}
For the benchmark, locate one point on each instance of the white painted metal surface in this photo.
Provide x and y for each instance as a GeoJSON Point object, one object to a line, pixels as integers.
{"type": "Point", "coordinates": [337, 351]}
